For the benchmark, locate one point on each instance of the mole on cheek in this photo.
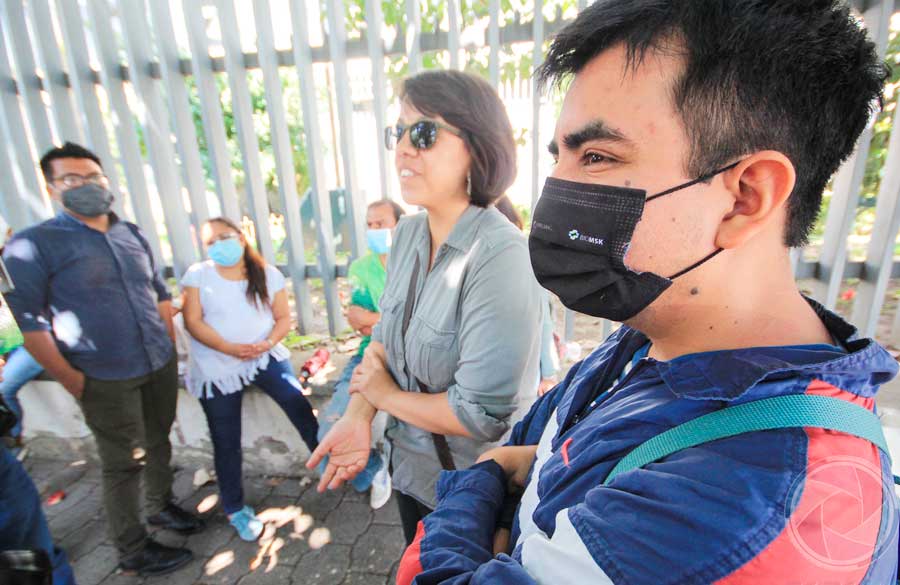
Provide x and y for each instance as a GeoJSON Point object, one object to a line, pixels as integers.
{"type": "Point", "coordinates": [627, 183]}
{"type": "Point", "coordinates": [695, 291]}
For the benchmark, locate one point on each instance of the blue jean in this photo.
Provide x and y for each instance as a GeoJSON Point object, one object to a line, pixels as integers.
{"type": "Point", "coordinates": [333, 411]}
{"type": "Point", "coordinates": [223, 414]}
{"type": "Point", "coordinates": [22, 522]}
{"type": "Point", "coordinates": [20, 369]}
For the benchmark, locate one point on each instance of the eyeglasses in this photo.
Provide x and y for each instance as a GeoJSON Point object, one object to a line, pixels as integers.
{"type": "Point", "coordinates": [222, 237]}
{"type": "Point", "coordinates": [73, 180]}
{"type": "Point", "coordinates": [422, 134]}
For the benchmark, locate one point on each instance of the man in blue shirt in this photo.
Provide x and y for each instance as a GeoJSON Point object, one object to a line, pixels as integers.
{"type": "Point", "coordinates": [96, 315]}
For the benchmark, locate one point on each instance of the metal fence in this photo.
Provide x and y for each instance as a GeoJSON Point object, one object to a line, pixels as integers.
{"type": "Point", "coordinates": [116, 75]}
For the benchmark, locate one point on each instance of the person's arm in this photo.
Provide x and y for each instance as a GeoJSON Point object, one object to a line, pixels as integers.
{"type": "Point", "coordinates": [361, 319]}
{"type": "Point", "coordinates": [192, 312]}
{"type": "Point", "coordinates": [28, 302]}
{"type": "Point", "coordinates": [43, 348]}
{"type": "Point", "coordinates": [281, 312]}
{"type": "Point", "coordinates": [167, 314]}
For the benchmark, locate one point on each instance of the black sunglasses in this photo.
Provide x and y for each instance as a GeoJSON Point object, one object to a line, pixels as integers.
{"type": "Point", "coordinates": [422, 134]}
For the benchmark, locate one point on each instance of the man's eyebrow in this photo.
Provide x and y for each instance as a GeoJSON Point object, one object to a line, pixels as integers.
{"type": "Point", "coordinates": [596, 130]}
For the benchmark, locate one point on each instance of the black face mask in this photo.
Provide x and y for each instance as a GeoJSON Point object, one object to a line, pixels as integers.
{"type": "Point", "coordinates": [580, 234]}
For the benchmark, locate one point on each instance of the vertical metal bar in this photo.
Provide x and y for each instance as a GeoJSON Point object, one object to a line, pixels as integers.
{"type": "Point", "coordinates": [23, 198]}
{"type": "Point", "coordinates": [413, 36]}
{"type": "Point", "coordinates": [284, 162]}
{"type": "Point", "coordinates": [494, 42]}
{"type": "Point", "coordinates": [374, 20]}
{"type": "Point", "coordinates": [82, 78]}
{"type": "Point", "coordinates": [582, 4]}
{"type": "Point", "coordinates": [29, 83]}
{"type": "Point", "coordinates": [453, 34]}
{"type": "Point", "coordinates": [242, 108]}
{"type": "Point", "coordinates": [337, 40]}
{"type": "Point", "coordinates": [123, 122]}
{"type": "Point", "coordinates": [847, 183]}
{"type": "Point", "coordinates": [537, 59]}
{"type": "Point", "coordinates": [157, 134]}
{"type": "Point", "coordinates": [180, 107]}
{"type": "Point", "coordinates": [55, 76]}
{"type": "Point", "coordinates": [211, 112]}
{"type": "Point", "coordinates": [880, 254]}
{"type": "Point", "coordinates": [319, 194]}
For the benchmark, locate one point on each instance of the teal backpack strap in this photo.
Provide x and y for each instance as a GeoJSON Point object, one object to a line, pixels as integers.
{"type": "Point", "coordinates": [780, 412]}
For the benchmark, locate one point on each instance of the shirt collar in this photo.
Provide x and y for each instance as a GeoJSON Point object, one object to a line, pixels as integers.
{"type": "Point", "coordinates": [463, 233]}
{"type": "Point", "coordinates": [65, 216]}
{"type": "Point", "coordinates": [729, 375]}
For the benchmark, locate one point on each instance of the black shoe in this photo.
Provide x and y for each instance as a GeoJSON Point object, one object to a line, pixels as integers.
{"type": "Point", "coordinates": [155, 559]}
{"type": "Point", "coordinates": [174, 518]}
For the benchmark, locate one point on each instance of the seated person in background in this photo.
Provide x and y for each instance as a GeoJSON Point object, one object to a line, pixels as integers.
{"type": "Point", "coordinates": [693, 146]}
{"type": "Point", "coordinates": [367, 277]}
{"type": "Point", "coordinates": [20, 368]}
{"type": "Point", "coordinates": [236, 311]}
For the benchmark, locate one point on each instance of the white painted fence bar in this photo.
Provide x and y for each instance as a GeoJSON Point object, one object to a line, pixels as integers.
{"type": "Point", "coordinates": [321, 202]}
{"type": "Point", "coordinates": [374, 20]}
{"type": "Point", "coordinates": [243, 122]}
{"type": "Point", "coordinates": [284, 162]}
{"type": "Point", "coordinates": [24, 199]}
{"type": "Point", "coordinates": [82, 79]}
{"type": "Point", "coordinates": [494, 42]}
{"type": "Point", "coordinates": [180, 110]}
{"type": "Point", "coordinates": [157, 135]}
{"type": "Point", "coordinates": [56, 79]}
{"type": "Point", "coordinates": [413, 31]}
{"type": "Point", "coordinates": [123, 122]}
{"type": "Point", "coordinates": [211, 112]}
{"type": "Point", "coordinates": [356, 203]}
{"type": "Point", "coordinates": [30, 85]}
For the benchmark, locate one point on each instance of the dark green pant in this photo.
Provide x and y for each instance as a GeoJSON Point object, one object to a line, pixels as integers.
{"type": "Point", "coordinates": [131, 420]}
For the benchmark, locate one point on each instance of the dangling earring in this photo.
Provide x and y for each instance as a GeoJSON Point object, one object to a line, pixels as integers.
{"type": "Point", "coordinates": [469, 184]}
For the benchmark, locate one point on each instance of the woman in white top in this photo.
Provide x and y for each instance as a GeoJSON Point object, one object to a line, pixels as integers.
{"type": "Point", "coordinates": [236, 310]}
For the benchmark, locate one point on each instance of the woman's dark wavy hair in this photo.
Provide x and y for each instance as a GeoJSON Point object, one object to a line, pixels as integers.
{"type": "Point", "coordinates": [797, 76]}
{"type": "Point", "coordinates": [470, 103]}
{"type": "Point", "coordinates": [254, 264]}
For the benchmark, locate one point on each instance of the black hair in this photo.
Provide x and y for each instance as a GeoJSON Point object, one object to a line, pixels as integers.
{"type": "Point", "coordinates": [505, 206]}
{"type": "Point", "coordinates": [797, 76]}
{"type": "Point", "coordinates": [470, 104]}
{"type": "Point", "coordinates": [395, 207]}
{"type": "Point", "coordinates": [67, 150]}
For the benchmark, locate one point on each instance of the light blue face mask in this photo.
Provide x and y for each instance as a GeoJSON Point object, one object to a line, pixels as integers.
{"type": "Point", "coordinates": [379, 240]}
{"type": "Point", "coordinates": [226, 252]}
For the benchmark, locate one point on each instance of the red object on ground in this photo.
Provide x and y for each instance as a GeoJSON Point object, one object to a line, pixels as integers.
{"type": "Point", "coordinates": [314, 364]}
{"type": "Point", "coordinates": [849, 294]}
{"type": "Point", "coordinates": [56, 497]}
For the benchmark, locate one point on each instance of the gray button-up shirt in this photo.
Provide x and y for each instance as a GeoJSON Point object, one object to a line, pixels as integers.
{"type": "Point", "coordinates": [475, 334]}
{"type": "Point", "coordinates": [97, 292]}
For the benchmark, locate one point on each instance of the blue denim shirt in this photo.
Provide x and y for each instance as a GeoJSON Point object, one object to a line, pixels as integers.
{"type": "Point", "coordinates": [97, 292]}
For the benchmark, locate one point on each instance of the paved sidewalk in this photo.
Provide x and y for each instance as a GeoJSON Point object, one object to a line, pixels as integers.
{"type": "Point", "coordinates": [311, 539]}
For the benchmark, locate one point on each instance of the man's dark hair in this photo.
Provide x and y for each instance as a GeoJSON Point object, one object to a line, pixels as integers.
{"type": "Point", "coordinates": [67, 150]}
{"type": "Point", "coordinates": [797, 76]}
{"type": "Point", "coordinates": [395, 207]}
{"type": "Point", "coordinates": [469, 103]}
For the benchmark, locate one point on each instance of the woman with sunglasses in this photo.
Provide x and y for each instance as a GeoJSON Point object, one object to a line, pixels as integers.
{"type": "Point", "coordinates": [236, 310]}
{"type": "Point", "coordinates": [457, 343]}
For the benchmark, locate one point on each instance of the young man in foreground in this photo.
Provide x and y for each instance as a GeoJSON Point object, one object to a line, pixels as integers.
{"type": "Point", "coordinates": [693, 146]}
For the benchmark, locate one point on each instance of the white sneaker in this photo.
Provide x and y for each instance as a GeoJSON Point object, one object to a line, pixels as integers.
{"type": "Point", "coordinates": [380, 492]}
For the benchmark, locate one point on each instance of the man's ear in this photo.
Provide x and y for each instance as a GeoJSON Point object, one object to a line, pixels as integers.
{"type": "Point", "coordinates": [760, 186]}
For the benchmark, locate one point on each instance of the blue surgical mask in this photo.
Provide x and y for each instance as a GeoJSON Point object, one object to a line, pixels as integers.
{"type": "Point", "coordinates": [226, 252]}
{"type": "Point", "coordinates": [379, 240]}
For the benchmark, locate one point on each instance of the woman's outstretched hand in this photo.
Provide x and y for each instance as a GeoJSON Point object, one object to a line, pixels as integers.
{"type": "Point", "coordinates": [347, 447]}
